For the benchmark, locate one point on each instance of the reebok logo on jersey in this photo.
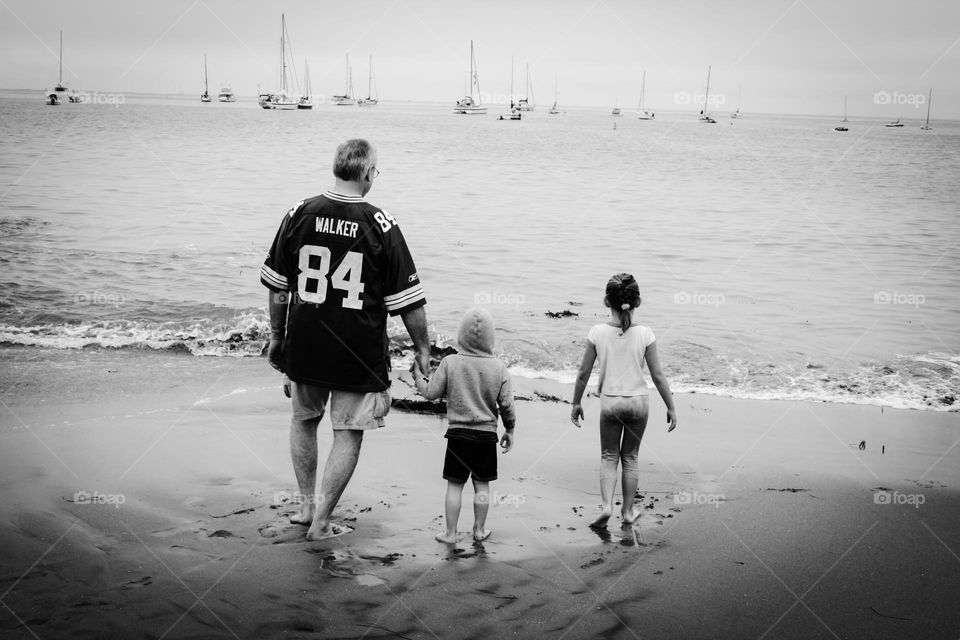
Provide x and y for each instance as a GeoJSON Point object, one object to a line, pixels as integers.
{"type": "Point", "coordinates": [413, 278]}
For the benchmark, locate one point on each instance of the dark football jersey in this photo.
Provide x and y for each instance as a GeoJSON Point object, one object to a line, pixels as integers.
{"type": "Point", "coordinates": [343, 265]}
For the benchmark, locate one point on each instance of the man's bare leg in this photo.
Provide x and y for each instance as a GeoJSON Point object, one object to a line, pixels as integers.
{"type": "Point", "coordinates": [344, 453]}
{"type": "Point", "coordinates": [303, 451]}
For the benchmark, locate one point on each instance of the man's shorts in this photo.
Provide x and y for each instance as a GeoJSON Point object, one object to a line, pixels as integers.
{"type": "Point", "coordinates": [348, 409]}
{"type": "Point", "coordinates": [470, 457]}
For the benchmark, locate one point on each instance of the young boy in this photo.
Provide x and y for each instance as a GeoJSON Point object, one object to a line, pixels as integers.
{"type": "Point", "coordinates": [476, 384]}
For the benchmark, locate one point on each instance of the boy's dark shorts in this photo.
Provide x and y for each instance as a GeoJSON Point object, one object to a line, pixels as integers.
{"type": "Point", "coordinates": [469, 456]}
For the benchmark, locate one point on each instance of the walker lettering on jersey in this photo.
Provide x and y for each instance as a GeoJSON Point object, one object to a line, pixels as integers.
{"type": "Point", "coordinates": [344, 228]}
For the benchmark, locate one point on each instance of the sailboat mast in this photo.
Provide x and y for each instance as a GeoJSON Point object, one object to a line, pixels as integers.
{"type": "Point", "coordinates": [526, 89]}
{"type": "Point", "coordinates": [706, 95]}
{"type": "Point", "coordinates": [643, 86]}
{"type": "Point", "coordinates": [61, 57]}
{"type": "Point", "coordinates": [929, 98]}
{"type": "Point", "coordinates": [306, 79]}
{"type": "Point", "coordinates": [206, 83]}
{"type": "Point", "coordinates": [473, 75]}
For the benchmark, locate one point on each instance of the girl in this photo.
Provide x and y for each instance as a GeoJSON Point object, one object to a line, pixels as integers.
{"type": "Point", "coordinates": [622, 348]}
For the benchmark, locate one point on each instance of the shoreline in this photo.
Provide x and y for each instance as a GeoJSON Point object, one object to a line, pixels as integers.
{"type": "Point", "coordinates": [756, 516]}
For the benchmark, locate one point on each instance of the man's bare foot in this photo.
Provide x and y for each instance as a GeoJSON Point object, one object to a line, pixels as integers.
{"type": "Point", "coordinates": [629, 517]}
{"type": "Point", "coordinates": [304, 516]}
{"type": "Point", "coordinates": [481, 535]}
{"type": "Point", "coordinates": [330, 530]}
{"type": "Point", "coordinates": [601, 520]}
{"type": "Point", "coordinates": [446, 537]}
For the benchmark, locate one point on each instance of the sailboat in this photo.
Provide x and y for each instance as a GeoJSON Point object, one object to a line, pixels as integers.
{"type": "Point", "coordinates": [926, 125]}
{"type": "Point", "coordinates": [841, 127]}
{"type": "Point", "coordinates": [371, 98]}
{"type": "Point", "coordinates": [527, 103]}
{"type": "Point", "coordinates": [736, 114]}
{"type": "Point", "coordinates": [306, 100]}
{"type": "Point", "coordinates": [205, 96]}
{"type": "Point", "coordinates": [554, 110]}
{"type": "Point", "coordinates": [227, 95]}
{"type": "Point", "coordinates": [642, 113]}
{"type": "Point", "coordinates": [282, 100]}
{"type": "Point", "coordinates": [471, 105]}
{"type": "Point", "coordinates": [56, 95]}
{"type": "Point", "coordinates": [704, 116]}
{"type": "Point", "coordinates": [616, 112]}
{"type": "Point", "coordinates": [896, 123]}
{"type": "Point", "coordinates": [347, 98]}
{"type": "Point", "coordinates": [514, 113]}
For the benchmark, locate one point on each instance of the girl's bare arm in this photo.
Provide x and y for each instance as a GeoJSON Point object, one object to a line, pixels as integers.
{"type": "Point", "coordinates": [661, 383]}
{"type": "Point", "coordinates": [583, 376]}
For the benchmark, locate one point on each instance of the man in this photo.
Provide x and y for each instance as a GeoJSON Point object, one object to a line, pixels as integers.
{"type": "Point", "coordinates": [337, 267]}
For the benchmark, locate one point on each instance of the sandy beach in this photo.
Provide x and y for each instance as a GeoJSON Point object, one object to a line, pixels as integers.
{"type": "Point", "coordinates": [147, 495]}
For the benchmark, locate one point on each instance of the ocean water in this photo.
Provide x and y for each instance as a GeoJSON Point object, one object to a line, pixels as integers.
{"type": "Point", "coordinates": [776, 257]}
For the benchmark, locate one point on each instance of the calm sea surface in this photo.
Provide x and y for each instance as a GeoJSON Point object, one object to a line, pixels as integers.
{"type": "Point", "coordinates": [777, 258]}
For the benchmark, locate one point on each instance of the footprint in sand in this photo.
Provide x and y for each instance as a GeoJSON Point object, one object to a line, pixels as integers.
{"type": "Point", "coordinates": [222, 533]}
{"type": "Point", "coordinates": [145, 581]}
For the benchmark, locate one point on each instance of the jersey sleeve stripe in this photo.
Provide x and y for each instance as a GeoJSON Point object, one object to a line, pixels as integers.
{"type": "Point", "coordinates": [271, 278]}
{"type": "Point", "coordinates": [417, 288]}
{"type": "Point", "coordinates": [405, 298]}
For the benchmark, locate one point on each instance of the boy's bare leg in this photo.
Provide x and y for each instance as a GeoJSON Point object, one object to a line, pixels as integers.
{"type": "Point", "coordinates": [303, 451]}
{"type": "Point", "coordinates": [451, 507]}
{"type": "Point", "coordinates": [481, 505]}
{"type": "Point", "coordinates": [344, 453]}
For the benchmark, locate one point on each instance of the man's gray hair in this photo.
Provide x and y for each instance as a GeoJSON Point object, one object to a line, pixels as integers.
{"type": "Point", "coordinates": [353, 160]}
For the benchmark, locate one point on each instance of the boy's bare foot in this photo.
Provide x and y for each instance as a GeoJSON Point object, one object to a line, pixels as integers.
{"type": "Point", "coordinates": [629, 517]}
{"type": "Point", "coordinates": [482, 535]}
{"type": "Point", "coordinates": [601, 520]}
{"type": "Point", "coordinates": [330, 530]}
{"type": "Point", "coordinates": [304, 516]}
{"type": "Point", "coordinates": [446, 537]}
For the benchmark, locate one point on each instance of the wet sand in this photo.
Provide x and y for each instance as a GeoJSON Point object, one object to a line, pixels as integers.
{"type": "Point", "coordinates": [756, 519]}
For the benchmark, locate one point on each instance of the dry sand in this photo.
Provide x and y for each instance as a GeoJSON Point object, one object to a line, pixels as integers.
{"type": "Point", "coordinates": [759, 519]}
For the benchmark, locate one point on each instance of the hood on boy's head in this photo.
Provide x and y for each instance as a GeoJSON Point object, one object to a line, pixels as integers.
{"type": "Point", "coordinates": [476, 333]}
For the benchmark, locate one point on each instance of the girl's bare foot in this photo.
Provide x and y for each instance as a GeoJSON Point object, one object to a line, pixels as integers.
{"type": "Point", "coordinates": [629, 517]}
{"type": "Point", "coordinates": [601, 520]}
{"type": "Point", "coordinates": [481, 535]}
{"type": "Point", "coordinates": [449, 538]}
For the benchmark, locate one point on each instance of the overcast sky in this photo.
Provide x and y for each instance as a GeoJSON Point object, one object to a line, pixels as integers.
{"type": "Point", "coordinates": [789, 56]}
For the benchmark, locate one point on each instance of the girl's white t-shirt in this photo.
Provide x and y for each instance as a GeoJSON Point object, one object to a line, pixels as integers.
{"type": "Point", "coordinates": [621, 357]}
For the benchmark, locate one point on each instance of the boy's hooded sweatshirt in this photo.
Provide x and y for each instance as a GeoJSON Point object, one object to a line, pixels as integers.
{"type": "Point", "coordinates": [474, 381]}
